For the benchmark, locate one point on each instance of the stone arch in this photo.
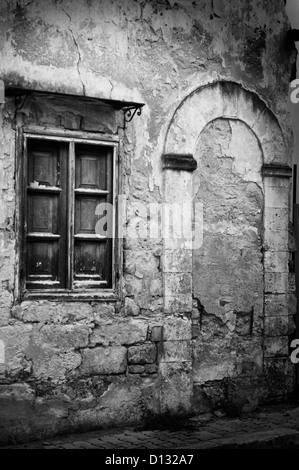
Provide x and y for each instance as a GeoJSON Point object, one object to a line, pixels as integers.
{"type": "Point", "coordinates": [224, 100]}
{"type": "Point", "coordinates": [228, 101]}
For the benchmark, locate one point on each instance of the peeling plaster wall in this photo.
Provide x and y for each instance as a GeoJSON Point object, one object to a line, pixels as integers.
{"type": "Point", "coordinates": [228, 268]}
{"type": "Point", "coordinates": [75, 366]}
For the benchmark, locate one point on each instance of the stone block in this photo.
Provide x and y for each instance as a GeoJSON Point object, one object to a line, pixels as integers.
{"type": "Point", "coordinates": [177, 261]}
{"type": "Point", "coordinates": [105, 361]}
{"type": "Point", "coordinates": [151, 368]}
{"type": "Point", "coordinates": [206, 106]}
{"type": "Point", "coordinates": [177, 329]}
{"type": "Point", "coordinates": [292, 304]}
{"type": "Point", "coordinates": [178, 186]}
{"type": "Point", "coordinates": [133, 286]}
{"type": "Point", "coordinates": [120, 333]}
{"type": "Point", "coordinates": [151, 305]}
{"type": "Point", "coordinates": [19, 392]}
{"type": "Point", "coordinates": [230, 106]}
{"type": "Point", "coordinates": [49, 120]}
{"type": "Point", "coordinates": [276, 239]}
{"type": "Point", "coordinates": [280, 376]}
{"type": "Point", "coordinates": [276, 261]}
{"type": "Point", "coordinates": [102, 310]}
{"type": "Point", "coordinates": [178, 304]}
{"type": "Point", "coordinates": [276, 305]}
{"type": "Point", "coordinates": [131, 307]}
{"type": "Point", "coordinates": [151, 395]}
{"type": "Point", "coordinates": [156, 334]}
{"type": "Point", "coordinates": [141, 263]}
{"type": "Point", "coordinates": [177, 284]}
{"type": "Point", "coordinates": [143, 354]}
{"type": "Point", "coordinates": [174, 242]}
{"type": "Point", "coordinates": [156, 287]}
{"type": "Point", "coordinates": [276, 346]}
{"type": "Point", "coordinates": [276, 283]}
{"type": "Point", "coordinates": [62, 337]}
{"type": "Point", "coordinates": [247, 110]}
{"type": "Point", "coordinates": [176, 388]}
{"type": "Point", "coordinates": [6, 301]}
{"type": "Point", "coordinates": [120, 405]}
{"type": "Point", "coordinates": [276, 326]}
{"type": "Point", "coordinates": [206, 364]}
{"type": "Point", "coordinates": [276, 219]}
{"type": "Point", "coordinates": [291, 283]}
{"type": "Point", "coordinates": [56, 312]}
{"type": "Point", "coordinates": [48, 364]}
{"type": "Point", "coordinates": [276, 197]}
{"type": "Point", "coordinates": [136, 369]}
{"type": "Point", "coordinates": [291, 325]}
{"type": "Point", "coordinates": [177, 351]}
{"type": "Point", "coordinates": [15, 340]}
{"type": "Point", "coordinates": [277, 181]}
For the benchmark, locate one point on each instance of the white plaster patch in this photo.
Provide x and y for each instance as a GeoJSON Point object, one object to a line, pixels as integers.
{"type": "Point", "coordinates": [245, 150]}
{"type": "Point", "coordinates": [213, 372]}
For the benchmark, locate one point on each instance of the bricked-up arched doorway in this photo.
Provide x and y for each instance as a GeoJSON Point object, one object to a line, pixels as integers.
{"type": "Point", "coordinates": [225, 149]}
{"type": "Point", "coordinates": [227, 269]}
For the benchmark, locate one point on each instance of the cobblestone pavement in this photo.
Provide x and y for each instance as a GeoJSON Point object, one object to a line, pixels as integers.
{"type": "Point", "coordinates": [271, 427]}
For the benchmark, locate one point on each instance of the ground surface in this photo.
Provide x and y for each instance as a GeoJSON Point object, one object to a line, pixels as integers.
{"type": "Point", "coordinates": [271, 427]}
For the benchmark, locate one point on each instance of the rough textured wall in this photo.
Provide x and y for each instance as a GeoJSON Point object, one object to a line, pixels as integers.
{"type": "Point", "coordinates": [228, 269]}
{"type": "Point", "coordinates": [79, 365]}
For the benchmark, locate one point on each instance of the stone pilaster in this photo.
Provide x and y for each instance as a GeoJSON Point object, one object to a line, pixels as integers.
{"type": "Point", "coordinates": [276, 255]}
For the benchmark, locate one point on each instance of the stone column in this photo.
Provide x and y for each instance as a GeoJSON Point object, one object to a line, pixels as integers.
{"type": "Point", "coordinates": [278, 367]}
{"type": "Point", "coordinates": [177, 232]}
{"type": "Point", "coordinates": [176, 358]}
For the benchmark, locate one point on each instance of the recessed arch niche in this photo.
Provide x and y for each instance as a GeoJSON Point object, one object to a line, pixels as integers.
{"type": "Point", "coordinates": [254, 159]}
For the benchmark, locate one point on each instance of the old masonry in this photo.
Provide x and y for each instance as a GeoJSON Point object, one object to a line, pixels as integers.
{"type": "Point", "coordinates": [173, 113]}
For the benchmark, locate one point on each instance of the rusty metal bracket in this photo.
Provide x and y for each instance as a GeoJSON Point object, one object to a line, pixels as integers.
{"type": "Point", "coordinates": [131, 111]}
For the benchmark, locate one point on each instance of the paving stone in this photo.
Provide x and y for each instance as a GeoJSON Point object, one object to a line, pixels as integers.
{"type": "Point", "coordinates": [265, 430]}
{"type": "Point", "coordinates": [70, 446]}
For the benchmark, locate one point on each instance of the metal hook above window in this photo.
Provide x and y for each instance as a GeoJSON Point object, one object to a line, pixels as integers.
{"type": "Point", "coordinates": [130, 112]}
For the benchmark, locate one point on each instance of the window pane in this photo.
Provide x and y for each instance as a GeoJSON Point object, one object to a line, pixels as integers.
{"type": "Point", "coordinates": [43, 164]}
{"type": "Point", "coordinates": [93, 261]}
{"type": "Point", "coordinates": [92, 167]}
{"type": "Point", "coordinates": [43, 213]}
{"type": "Point", "coordinates": [42, 265]}
{"type": "Point", "coordinates": [46, 234]}
{"type": "Point", "coordinates": [86, 210]}
{"type": "Point", "coordinates": [93, 191]}
{"type": "Point", "coordinates": [68, 234]}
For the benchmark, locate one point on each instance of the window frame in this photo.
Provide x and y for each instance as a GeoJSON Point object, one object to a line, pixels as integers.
{"type": "Point", "coordinates": [71, 138]}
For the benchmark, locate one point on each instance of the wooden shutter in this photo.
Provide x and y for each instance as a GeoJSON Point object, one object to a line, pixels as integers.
{"type": "Point", "coordinates": [45, 227]}
{"type": "Point", "coordinates": [93, 186]}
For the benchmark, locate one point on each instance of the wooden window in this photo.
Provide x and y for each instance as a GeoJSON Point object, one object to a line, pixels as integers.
{"type": "Point", "coordinates": [68, 184]}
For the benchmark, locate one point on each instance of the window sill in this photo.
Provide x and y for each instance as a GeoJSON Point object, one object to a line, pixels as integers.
{"type": "Point", "coordinates": [108, 296]}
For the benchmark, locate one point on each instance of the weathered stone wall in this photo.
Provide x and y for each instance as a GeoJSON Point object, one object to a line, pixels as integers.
{"type": "Point", "coordinates": [79, 365]}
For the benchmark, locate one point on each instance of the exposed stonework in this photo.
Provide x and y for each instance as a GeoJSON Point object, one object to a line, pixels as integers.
{"type": "Point", "coordinates": [198, 323]}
